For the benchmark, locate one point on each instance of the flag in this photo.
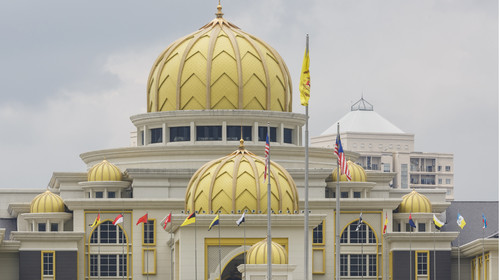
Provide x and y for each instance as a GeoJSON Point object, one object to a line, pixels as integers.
{"type": "Point", "coordinates": [214, 222]}
{"type": "Point", "coordinates": [167, 220]}
{"type": "Point", "coordinates": [97, 220]}
{"type": "Point", "coordinates": [266, 152]}
{"type": "Point", "coordinates": [385, 224]}
{"type": "Point", "coordinates": [118, 220]}
{"type": "Point", "coordinates": [437, 223]}
{"type": "Point", "coordinates": [143, 219]}
{"type": "Point", "coordinates": [344, 168]}
{"type": "Point", "coordinates": [412, 224]}
{"type": "Point", "coordinates": [189, 220]}
{"type": "Point", "coordinates": [485, 223]}
{"type": "Point", "coordinates": [241, 219]}
{"type": "Point", "coordinates": [360, 221]}
{"type": "Point", "coordinates": [305, 80]}
{"type": "Point", "coordinates": [460, 221]}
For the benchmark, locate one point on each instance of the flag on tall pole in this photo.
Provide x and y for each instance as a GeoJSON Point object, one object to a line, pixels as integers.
{"type": "Point", "coordinates": [118, 220]}
{"type": "Point", "coordinates": [97, 221]}
{"type": "Point", "coordinates": [410, 221]}
{"type": "Point", "coordinates": [214, 222]}
{"type": "Point", "coordinates": [167, 220]}
{"type": "Point", "coordinates": [360, 221]}
{"type": "Point", "coordinates": [305, 77]}
{"type": "Point", "coordinates": [143, 219]}
{"type": "Point", "coordinates": [189, 220]}
{"type": "Point", "coordinates": [460, 221]}
{"type": "Point", "coordinates": [266, 152]}
{"type": "Point", "coordinates": [485, 223]}
{"type": "Point", "coordinates": [241, 219]}
{"type": "Point", "coordinates": [385, 224]}
{"type": "Point", "coordinates": [437, 223]}
{"type": "Point", "coordinates": [342, 162]}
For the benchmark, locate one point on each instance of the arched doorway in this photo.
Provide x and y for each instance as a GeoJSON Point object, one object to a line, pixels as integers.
{"type": "Point", "coordinates": [231, 269]}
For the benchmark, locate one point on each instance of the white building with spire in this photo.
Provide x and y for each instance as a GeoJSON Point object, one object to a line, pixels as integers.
{"type": "Point", "coordinates": [382, 146]}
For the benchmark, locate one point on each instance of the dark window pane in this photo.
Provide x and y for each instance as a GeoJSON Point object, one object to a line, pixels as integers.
{"type": "Point", "coordinates": [208, 133]}
{"type": "Point", "coordinates": [149, 232]}
{"type": "Point", "coordinates": [234, 133]}
{"type": "Point", "coordinates": [287, 135]}
{"type": "Point", "coordinates": [156, 135]}
{"type": "Point", "coordinates": [344, 194]}
{"type": "Point", "coordinates": [54, 227]}
{"type": "Point", "coordinates": [42, 227]}
{"type": "Point", "coordinates": [318, 234]}
{"type": "Point", "coordinates": [111, 194]}
{"type": "Point", "coordinates": [180, 133]}
{"type": "Point", "coordinates": [99, 194]}
{"type": "Point", "coordinates": [421, 227]}
{"type": "Point", "coordinates": [263, 133]}
{"type": "Point", "coordinates": [357, 194]}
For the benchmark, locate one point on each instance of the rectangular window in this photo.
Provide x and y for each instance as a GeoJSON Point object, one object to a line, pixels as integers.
{"type": "Point", "coordinates": [318, 234]}
{"type": "Point", "coordinates": [358, 265]}
{"type": "Point", "coordinates": [357, 194]}
{"type": "Point", "coordinates": [48, 265]}
{"type": "Point", "coordinates": [111, 194]}
{"type": "Point", "coordinates": [422, 263]}
{"type": "Point", "coordinates": [409, 228]}
{"type": "Point", "coordinates": [180, 133]}
{"type": "Point", "coordinates": [440, 168]}
{"type": "Point", "coordinates": [234, 133]}
{"type": "Point", "coordinates": [94, 265]}
{"type": "Point", "coordinates": [287, 135]}
{"type": "Point", "coordinates": [440, 181]}
{"type": "Point", "coordinates": [344, 194]}
{"type": "Point", "coordinates": [421, 227]}
{"type": "Point", "coordinates": [343, 265]}
{"type": "Point", "coordinates": [54, 227]}
{"type": "Point", "coordinates": [372, 265]}
{"type": "Point", "coordinates": [387, 167]}
{"type": "Point", "coordinates": [108, 233]}
{"type": "Point", "coordinates": [148, 232]}
{"type": "Point", "coordinates": [448, 181]}
{"type": "Point", "coordinates": [448, 168]}
{"type": "Point", "coordinates": [108, 265]}
{"type": "Point", "coordinates": [208, 133]}
{"type": "Point", "coordinates": [404, 176]}
{"type": "Point", "coordinates": [142, 137]}
{"type": "Point", "coordinates": [99, 194]}
{"type": "Point", "coordinates": [42, 227]}
{"type": "Point", "coordinates": [156, 135]}
{"type": "Point", "coordinates": [263, 133]}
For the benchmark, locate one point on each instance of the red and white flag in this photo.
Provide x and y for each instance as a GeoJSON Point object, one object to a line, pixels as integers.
{"type": "Point", "coordinates": [342, 162]}
{"type": "Point", "coordinates": [266, 152]}
{"type": "Point", "coordinates": [118, 220]}
{"type": "Point", "coordinates": [167, 220]}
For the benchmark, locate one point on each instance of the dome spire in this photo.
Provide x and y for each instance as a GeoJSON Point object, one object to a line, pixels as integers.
{"type": "Point", "coordinates": [219, 13]}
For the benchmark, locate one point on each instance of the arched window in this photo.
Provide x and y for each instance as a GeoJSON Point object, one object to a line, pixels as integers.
{"type": "Point", "coordinates": [363, 235]}
{"type": "Point", "coordinates": [107, 233]}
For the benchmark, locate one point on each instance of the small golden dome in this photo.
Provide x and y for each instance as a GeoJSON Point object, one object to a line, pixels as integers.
{"type": "Point", "coordinates": [104, 171]}
{"type": "Point", "coordinates": [235, 182]}
{"type": "Point", "coordinates": [47, 202]}
{"type": "Point", "coordinates": [415, 203]}
{"type": "Point", "coordinates": [358, 174]}
{"type": "Point", "coordinates": [257, 254]}
{"type": "Point", "coordinates": [219, 67]}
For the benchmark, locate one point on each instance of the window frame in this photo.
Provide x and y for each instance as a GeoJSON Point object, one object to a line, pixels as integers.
{"type": "Point", "coordinates": [322, 224]}
{"type": "Point", "coordinates": [144, 261]}
{"type": "Point", "coordinates": [417, 263]}
{"type": "Point", "coordinates": [153, 226]}
{"type": "Point", "coordinates": [156, 135]}
{"type": "Point", "coordinates": [52, 254]}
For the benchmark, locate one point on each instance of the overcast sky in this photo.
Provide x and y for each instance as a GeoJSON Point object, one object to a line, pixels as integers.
{"type": "Point", "coordinates": [72, 73]}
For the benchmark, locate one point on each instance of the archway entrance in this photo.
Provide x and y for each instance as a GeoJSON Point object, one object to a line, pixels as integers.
{"type": "Point", "coordinates": [231, 270]}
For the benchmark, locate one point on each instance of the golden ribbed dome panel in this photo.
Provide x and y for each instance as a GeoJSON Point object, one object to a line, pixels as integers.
{"type": "Point", "coordinates": [358, 173]}
{"type": "Point", "coordinates": [104, 171]}
{"type": "Point", "coordinates": [47, 202]}
{"type": "Point", "coordinates": [257, 254]}
{"type": "Point", "coordinates": [415, 202]}
{"type": "Point", "coordinates": [220, 67]}
{"type": "Point", "coordinates": [235, 183]}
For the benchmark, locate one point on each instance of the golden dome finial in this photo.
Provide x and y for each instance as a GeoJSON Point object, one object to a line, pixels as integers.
{"type": "Point", "coordinates": [242, 144]}
{"type": "Point", "coordinates": [219, 13]}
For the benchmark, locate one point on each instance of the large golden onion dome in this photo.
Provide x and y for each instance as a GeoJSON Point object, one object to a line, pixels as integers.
{"type": "Point", "coordinates": [47, 202]}
{"type": "Point", "coordinates": [415, 203]}
{"type": "Point", "coordinates": [219, 67]}
{"type": "Point", "coordinates": [257, 254]}
{"type": "Point", "coordinates": [104, 171]}
{"type": "Point", "coordinates": [235, 182]}
{"type": "Point", "coordinates": [358, 174]}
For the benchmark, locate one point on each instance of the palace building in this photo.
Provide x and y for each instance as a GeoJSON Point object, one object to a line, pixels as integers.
{"type": "Point", "coordinates": [212, 96]}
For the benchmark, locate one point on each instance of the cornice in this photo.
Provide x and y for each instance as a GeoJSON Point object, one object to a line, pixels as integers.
{"type": "Point", "coordinates": [123, 203]}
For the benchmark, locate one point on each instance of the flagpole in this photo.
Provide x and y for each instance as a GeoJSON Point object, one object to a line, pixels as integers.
{"type": "Point", "coordinates": [458, 254]}
{"type": "Point", "coordinates": [434, 254]}
{"type": "Point", "coordinates": [484, 261]}
{"type": "Point", "coordinates": [363, 264]}
{"type": "Point", "coordinates": [195, 254]}
{"type": "Point", "coordinates": [220, 259]}
{"type": "Point", "coordinates": [124, 257]}
{"type": "Point", "coordinates": [171, 258]}
{"type": "Point", "coordinates": [306, 189]}
{"type": "Point", "coordinates": [244, 249]}
{"type": "Point", "coordinates": [269, 240]}
{"type": "Point", "coordinates": [147, 255]}
{"type": "Point", "coordinates": [411, 229]}
{"type": "Point", "coordinates": [337, 218]}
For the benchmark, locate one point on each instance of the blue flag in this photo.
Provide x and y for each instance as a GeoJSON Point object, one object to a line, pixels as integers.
{"type": "Point", "coordinates": [214, 222]}
{"type": "Point", "coordinates": [412, 224]}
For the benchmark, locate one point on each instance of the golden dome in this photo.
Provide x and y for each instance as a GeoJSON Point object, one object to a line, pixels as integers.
{"type": "Point", "coordinates": [219, 67]}
{"type": "Point", "coordinates": [358, 174]}
{"type": "Point", "coordinates": [257, 254]}
{"type": "Point", "coordinates": [47, 202]}
{"type": "Point", "coordinates": [104, 171]}
{"type": "Point", "coordinates": [235, 182]}
{"type": "Point", "coordinates": [415, 203]}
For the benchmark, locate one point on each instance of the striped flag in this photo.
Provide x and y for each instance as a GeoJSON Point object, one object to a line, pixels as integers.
{"type": "Point", "coordinates": [342, 162]}
{"type": "Point", "coordinates": [118, 220]}
{"type": "Point", "coordinates": [485, 223]}
{"type": "Point", "coordinates": [266, 152]}
{"type": "Point", "coordinates": [437, 223]}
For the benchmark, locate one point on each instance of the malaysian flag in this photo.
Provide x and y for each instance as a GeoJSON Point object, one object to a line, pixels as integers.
{"type": "Point", "coordinates": [342, 162]}
{"type": "Point", "coordinates": [266, 152]}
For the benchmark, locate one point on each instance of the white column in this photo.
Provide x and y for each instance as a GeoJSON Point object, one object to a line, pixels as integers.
{"type": "Point", "coordinates": [165, 133]}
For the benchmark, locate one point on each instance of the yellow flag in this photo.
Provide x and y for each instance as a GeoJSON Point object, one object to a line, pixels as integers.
{"type": "Point", "coordinates": [305, 80]}
{"type": "Point", "coordinates": [97, 221]}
